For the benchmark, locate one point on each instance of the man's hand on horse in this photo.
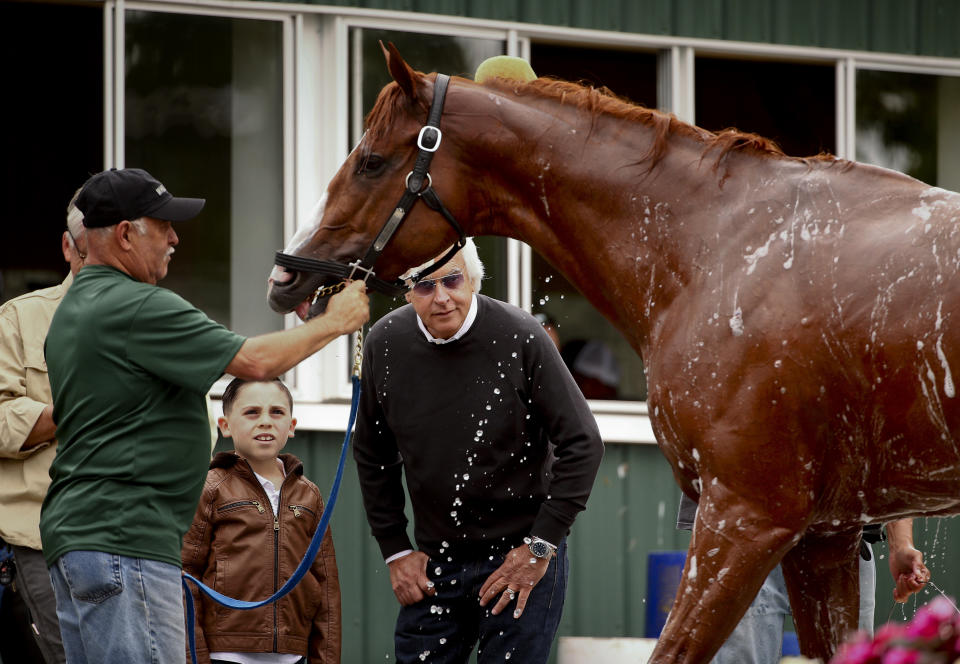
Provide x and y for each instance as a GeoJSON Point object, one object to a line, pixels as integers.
{"type": "Point", "coordinates": [408, 578]}
{"type": "Point", "coordinates": [351, 306]}
{"type": "Point", "coordinates": [514, 579]}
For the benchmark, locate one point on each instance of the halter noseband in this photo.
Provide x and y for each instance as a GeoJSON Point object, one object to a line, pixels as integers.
{"type": "Point", "coordinates": [427, 141]}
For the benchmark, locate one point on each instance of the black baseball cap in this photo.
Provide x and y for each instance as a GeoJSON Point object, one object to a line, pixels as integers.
{"type": "Point", "coordinates": [112, 196]}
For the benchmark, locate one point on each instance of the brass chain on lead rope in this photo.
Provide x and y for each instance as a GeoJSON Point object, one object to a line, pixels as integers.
{"type": "Point", "coordinates": [325, 291]}
{"type": "Point", "coordinates": [358, 353]}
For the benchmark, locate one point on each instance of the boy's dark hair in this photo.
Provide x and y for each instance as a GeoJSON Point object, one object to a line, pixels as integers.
{"type": "Point", "coordinates": [233, 389]}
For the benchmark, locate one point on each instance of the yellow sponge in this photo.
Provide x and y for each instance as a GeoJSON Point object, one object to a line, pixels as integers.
{"type": "Point", "coordinates": [504, 66]}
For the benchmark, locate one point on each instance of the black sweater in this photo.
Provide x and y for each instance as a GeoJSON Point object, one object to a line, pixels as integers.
{"type": "Point", "coordinates": [468, 423]}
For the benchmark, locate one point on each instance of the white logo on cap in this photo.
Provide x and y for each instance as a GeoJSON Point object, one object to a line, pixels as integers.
{"type": "Point", "coordinates": [161, 190]}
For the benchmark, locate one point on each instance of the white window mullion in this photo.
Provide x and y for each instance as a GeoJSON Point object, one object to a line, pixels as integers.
{"type": "Point", "coordinates": [321, 147]}
{"type": "Point", "coordinates": [109, 12]}
{"type": "Point", "coordinates": [675, 78]}
{"type": "Point", "coordinates": [118, 55]}
{"type": "Point", "coordinates": [850, 99]}
{"type": "Point", "coordinates": [846, 109]}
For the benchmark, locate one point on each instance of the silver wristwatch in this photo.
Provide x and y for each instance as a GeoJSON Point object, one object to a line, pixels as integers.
{"type": "Point", "coordinates": [540, 548]}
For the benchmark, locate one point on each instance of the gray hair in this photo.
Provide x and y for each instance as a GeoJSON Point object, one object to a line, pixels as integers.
{"type": "Point", "coordinates": [139, 224]}
{"type": "Point", "coordinates": [471, 261]}
{"type": "Point", "coordinates": [74, 221]}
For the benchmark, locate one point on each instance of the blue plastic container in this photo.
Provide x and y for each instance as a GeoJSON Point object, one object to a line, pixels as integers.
{"type": "Point", "coordinates": [664, 569]}
{"type": "Point", "coordinates": [791, 646]}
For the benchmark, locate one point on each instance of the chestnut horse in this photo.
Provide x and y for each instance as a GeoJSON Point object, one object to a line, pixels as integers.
{"type": "Point", "coordinates": [795, 316]}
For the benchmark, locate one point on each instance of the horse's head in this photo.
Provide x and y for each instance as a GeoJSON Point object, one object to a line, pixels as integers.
{"type": "Point", "coordinates": [373, 194]}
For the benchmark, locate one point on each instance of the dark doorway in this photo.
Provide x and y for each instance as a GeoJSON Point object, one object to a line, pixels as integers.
{"type": "Point", "coordinates": [792, 103]}
{"type": "Point", "coordinates": [629, 74]}
{"type": "Point", "coordinates": [52, 136]}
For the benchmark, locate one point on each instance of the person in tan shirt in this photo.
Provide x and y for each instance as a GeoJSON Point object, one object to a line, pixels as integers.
{"type": "Point", "coordinates": [27, 437]}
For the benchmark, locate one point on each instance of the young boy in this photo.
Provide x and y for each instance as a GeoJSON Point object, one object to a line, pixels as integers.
{"type": "Point", "coordinates": [252, 527]}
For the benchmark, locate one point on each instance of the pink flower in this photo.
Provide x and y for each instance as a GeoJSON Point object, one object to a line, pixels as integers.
{"type": "Point", "coordinates": [857, 652]}
{"type": "Point", "coordinates": [932, 636]}
{"type": "Point", "coordinates": [888, 632]}
{"type": "Point", "coordinates": [925, 625]}
{"type": "Point", "coordinates": [899, 655]}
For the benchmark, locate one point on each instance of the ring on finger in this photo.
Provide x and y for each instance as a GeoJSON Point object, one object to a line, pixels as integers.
{"type": "Point", "coordinates": [510, 593]}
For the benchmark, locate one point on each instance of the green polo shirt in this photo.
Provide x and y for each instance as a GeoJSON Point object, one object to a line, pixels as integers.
{"type": "Point", "coordinates": [129, 366]}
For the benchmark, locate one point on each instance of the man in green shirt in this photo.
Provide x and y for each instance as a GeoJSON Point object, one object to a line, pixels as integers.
{"type": "Point", "coordinates": [129, 365]}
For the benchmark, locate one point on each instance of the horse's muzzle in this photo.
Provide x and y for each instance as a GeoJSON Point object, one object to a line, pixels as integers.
{"type": "Point", "coordinates": [288, 290]}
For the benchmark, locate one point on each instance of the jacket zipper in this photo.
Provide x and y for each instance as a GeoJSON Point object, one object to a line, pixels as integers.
{"type": "Point", "coordinates": [299, 509]}
{"type": "Point", "coordinates": [276, 568]}
{"type": "Point", "coordinates": [242, 503]}
{"type": "Point", "coordinates": [276, 547]}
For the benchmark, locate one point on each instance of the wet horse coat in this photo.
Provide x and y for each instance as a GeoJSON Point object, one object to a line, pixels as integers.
{"type": "Point", "coordinates": [795, 316]}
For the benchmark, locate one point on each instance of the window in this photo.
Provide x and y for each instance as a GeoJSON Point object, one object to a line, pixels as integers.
{"type": "Point", "coordinates": [907, 122]}
{"type": "Point", "coordinates": [599, 357]}
{"type": "Point", "coordinates": [204, 114]}
{"type": "Point", "coordinates": [53, 137]}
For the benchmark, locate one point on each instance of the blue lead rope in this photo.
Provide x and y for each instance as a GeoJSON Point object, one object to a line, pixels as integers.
{"type": "Point", "coordinates": [307, 558]}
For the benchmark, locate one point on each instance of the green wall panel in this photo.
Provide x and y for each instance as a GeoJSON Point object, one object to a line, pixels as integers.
{"type": "Point", "coordinates": [557, 13]}
{"type": "Point", "coordinates": [652, 17]}
{"type": "Point", "coordinates": [845, 24]}
{"type": "Point", "coordinates": [893, 26]}
{"type": "Point", "coordinates": [698, 18]}
{"type": "Point", "coordinates": [796, 23]}
{"type": "Point", "coordinates": [921, 27]}
{"type": "Point", "coordinates": [598, 16]}
{"type": "Point", "coordinates": [934, 15]}
{"type": "Point", "coordinates": [511, 10]}
{"type": "Point", "coordinates": [748, 20]}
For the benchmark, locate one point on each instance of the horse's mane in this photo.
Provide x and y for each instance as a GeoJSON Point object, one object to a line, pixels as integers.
{"type": "Point", "coordinates": [601, 101]}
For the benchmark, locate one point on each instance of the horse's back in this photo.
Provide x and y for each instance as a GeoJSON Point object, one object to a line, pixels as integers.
{"type": "Point", "coordinates": [829, 336]}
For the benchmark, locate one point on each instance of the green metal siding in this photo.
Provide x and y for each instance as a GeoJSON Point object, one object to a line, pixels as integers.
{"type": "Point", "coordinates": [631, 512]}
{"type": "Point", "coordinates": [917, 27]}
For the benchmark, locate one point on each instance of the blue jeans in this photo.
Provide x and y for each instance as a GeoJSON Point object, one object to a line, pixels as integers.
{"type": "Point", "coordinates": [116, 609]}
{"type": "Point", "coordinates": [758, 638]}
{"type": "Point", "coordinates": [449, 624]}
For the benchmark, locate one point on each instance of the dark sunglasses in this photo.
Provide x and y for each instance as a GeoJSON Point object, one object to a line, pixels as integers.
{"type": "Point", "coordinates": [452, 281]}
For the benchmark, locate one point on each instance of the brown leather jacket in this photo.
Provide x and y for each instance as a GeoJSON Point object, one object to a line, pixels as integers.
{"type": "Point", "coordinates": [238, 547]}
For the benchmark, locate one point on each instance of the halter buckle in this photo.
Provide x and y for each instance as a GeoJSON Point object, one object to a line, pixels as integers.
{"type": "Point", "coordinates": [423, 135]}
{"type": "Point", "coordinates": [357, 266]}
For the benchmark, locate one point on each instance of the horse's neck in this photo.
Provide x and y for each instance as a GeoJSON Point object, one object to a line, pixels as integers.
{"type": "Point", "coordinates": [590, 208]}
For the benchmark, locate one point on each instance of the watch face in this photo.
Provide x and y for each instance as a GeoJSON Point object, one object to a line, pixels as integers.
{"type": "Point", "coordinates": [539, 549]}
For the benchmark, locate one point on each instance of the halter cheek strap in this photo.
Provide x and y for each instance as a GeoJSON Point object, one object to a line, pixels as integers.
{"type": "Point", "coordinates": [427, 141]}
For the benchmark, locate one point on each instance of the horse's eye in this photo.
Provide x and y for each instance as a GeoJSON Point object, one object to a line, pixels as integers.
{"type": "Point", "coordinates": [372, 164]}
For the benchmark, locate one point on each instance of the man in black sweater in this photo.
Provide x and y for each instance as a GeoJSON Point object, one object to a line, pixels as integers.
{"type": "Point", "coordinates": [461, 394]}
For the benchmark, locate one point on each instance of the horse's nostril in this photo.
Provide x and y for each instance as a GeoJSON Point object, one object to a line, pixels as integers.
{"type": "Point", "coordinates": [280, 276]}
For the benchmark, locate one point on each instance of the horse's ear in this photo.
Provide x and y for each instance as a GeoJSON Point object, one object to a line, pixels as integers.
{"type": "Point", "coordinates": [402, 73]}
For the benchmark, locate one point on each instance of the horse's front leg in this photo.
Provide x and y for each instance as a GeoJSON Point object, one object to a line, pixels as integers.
{"type": "Point", "coordinates": [823, 579]}
{"type": "Point", "coordinates": [735, 545]}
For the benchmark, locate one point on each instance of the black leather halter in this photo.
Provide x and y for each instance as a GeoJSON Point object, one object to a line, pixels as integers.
{"type": "Point", "coordinates": [428, 141]}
